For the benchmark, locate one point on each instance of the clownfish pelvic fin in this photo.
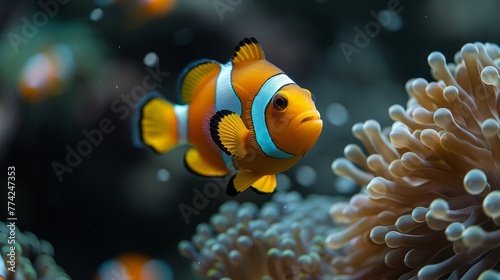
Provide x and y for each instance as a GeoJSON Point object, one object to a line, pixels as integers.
{"type": "Point", "coordinates": [195, 163]}
{"type": "Point", "coordinates": [229, 133]}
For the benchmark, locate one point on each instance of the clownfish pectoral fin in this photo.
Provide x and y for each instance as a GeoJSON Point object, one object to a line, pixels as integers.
{"type": "Point", "coordinates": [247, 49]}
{"type": "Point", "coordinates": [266, 184]}
{"type": "Point", "coordinates": [194, 76]}
{"type": "Point", "coordinates": [198, 165]}
{"type": "Point", "coordinates": [241, 181]}
{"type": "Point", "coordinates": [155, 124]}
{"type": "Point", "coordinates": [229, 133]}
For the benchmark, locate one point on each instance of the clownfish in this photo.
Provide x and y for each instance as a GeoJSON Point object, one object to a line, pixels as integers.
{"type": "Point", "coordinates": [46, 73]}
{"type": "Point", "coordinates": [141, 11]}
{"type": "Point", "coordinates": [245, 119]}
{"type": "Point", "coordinates": [134, 266]}
{"type": "Point", "coordinates": [138, 12]}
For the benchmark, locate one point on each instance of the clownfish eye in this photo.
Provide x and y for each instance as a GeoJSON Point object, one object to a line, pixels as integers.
{"type": "Point", "coordinates": [280, 102]}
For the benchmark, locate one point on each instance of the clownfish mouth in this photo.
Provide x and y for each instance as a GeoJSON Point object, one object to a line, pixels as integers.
{"type": "Point", "coordinates": [310, 118]}
{"type": "Point", "coordinates": [307, 118]}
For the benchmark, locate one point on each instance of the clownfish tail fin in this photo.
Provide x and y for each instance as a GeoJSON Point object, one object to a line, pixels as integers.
{"type": "Point", "coordinates": [159, 124]}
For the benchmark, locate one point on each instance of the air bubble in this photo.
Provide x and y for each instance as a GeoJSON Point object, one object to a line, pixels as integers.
{"type": "Point", "coordinates": [163, 175]}
{"type": "Point", "coordinates": [306, 176]}
{"type": "Point", "coordinates": [151, 59]}
{"type": "Point", "coordinates": [96, 14]}
{"type": "Point", "coordinates": [337, 114]}
{"type": "Point", "coordinates": [283, 182]}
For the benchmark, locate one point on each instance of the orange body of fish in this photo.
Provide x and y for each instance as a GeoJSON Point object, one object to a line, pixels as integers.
{"type": "Point", "coordinates": [245, 119]}
{"type": "Point", "coordinates": [134, 266]}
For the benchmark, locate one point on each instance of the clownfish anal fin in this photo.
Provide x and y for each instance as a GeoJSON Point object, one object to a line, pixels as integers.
{"type": "Point", "coordinates": [241, 181]}
{"type": "Point", "coordinates": [229, 133]}
{"type": "Point", "coordinates": [266, 184]}
{"type": "Point", "coordinates": [230, 189]}
{"type": "Point", "coordinates": [247, 49]}
{"type": "Point", "coordinates": [197, 164]}
{"type": "Point", "coordinates": [195, 75]}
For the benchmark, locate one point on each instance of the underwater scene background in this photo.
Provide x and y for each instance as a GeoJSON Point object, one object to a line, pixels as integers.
{"type": "Point", "coordinates": [89, 202]}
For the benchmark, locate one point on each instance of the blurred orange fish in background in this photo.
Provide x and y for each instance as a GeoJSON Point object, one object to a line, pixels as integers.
{"type": "Point", "coordinates": [138, 12]}
{"type": "Point", "coordinates": [154, 8]}
{"type": "Point", "coordinates": [134, 267]}
{"type": "Point", "coordinates": [46, 73]}
{"type": "Point", "coordinates": [61, 58]}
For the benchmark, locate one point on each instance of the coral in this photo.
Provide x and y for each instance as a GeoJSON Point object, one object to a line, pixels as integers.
{"type": "Point", "coordinates": [31, 258]}
{"type": "Point", "coordinates": [431, 206]}
{"type": "Point", "coordinates": [282, 240]}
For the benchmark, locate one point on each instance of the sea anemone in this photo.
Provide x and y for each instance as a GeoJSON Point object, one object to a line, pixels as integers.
{"type": "Point", "coordinates": [30, 259]}
{"type": "Point", "coordinates": [282, 240]}
{"type": "Point", "coordinates": [431, 206]}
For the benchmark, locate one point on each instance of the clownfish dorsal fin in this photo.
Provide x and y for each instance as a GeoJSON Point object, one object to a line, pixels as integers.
{"type": "Point", "coordinates": [229, 133]}
{"type": "Point", "coordinates": [247, 49]}
{"type": "Point", "coordinates": [194, 76]}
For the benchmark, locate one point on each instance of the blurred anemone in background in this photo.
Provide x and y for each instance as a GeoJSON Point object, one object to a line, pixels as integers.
{"type": "Point", "coordinates": [431, 204]}
{"type": "Point", "coordinates": [34, 258]}
{"type": "Point", "coordinates": [282, 240]}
